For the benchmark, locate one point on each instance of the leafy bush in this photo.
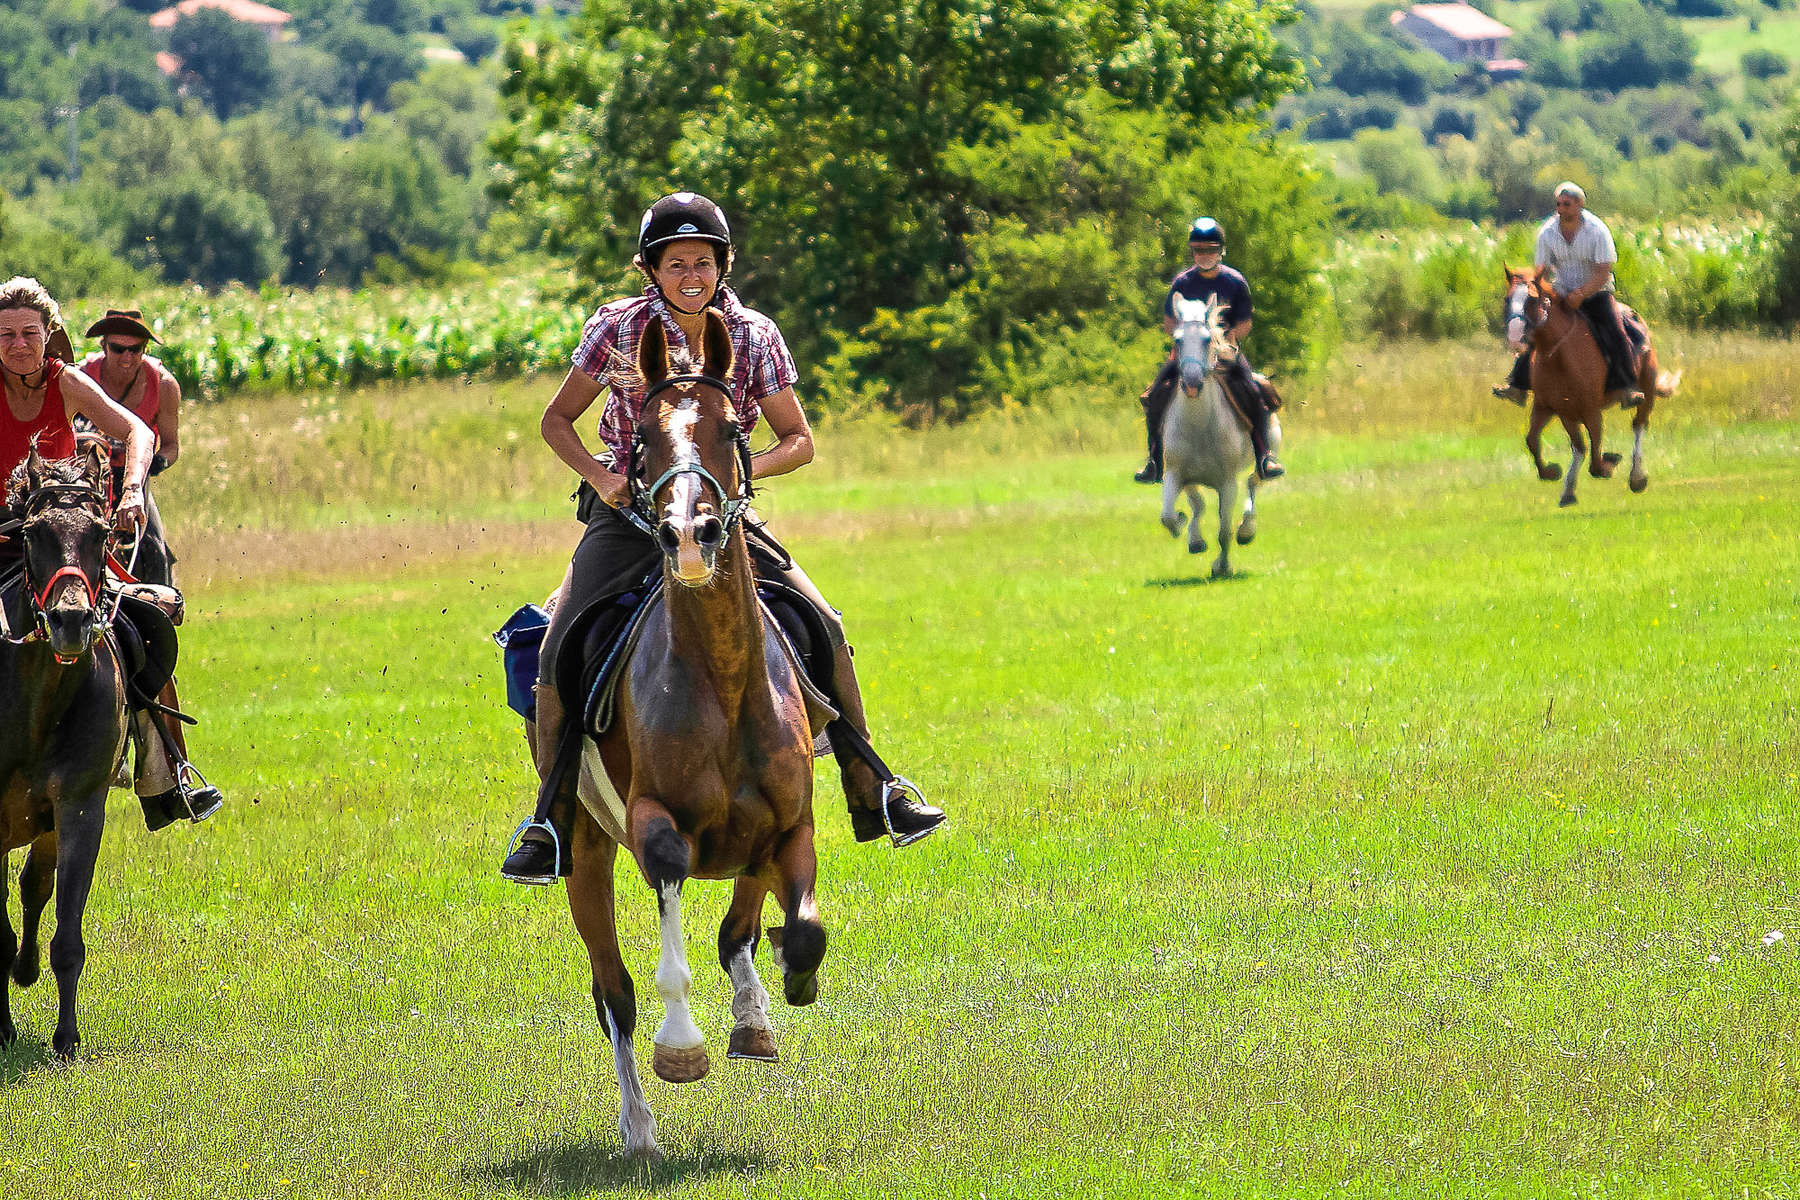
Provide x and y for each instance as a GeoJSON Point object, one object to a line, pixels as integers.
{"type": "Point", "coordinates": [1760, 62]}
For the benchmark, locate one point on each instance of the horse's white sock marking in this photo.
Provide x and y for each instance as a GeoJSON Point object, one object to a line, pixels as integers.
{"type": "Point", "coordinates": [749, 1000]}
{"type": "Point", "coordinates": [677, 1031]}
{"type": "Point", "coordinates": [1574, 469]}
{"type": "Point", "coordinates": [1637, 449]}
{"type": "Point", "coordinates": [637, 1128]}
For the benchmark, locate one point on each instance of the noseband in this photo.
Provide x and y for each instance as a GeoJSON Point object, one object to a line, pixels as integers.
{"type": "Point", "coordinates": [642, 512]}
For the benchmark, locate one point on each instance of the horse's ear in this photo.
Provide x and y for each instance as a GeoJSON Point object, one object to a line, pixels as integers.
{"type": "Point", "coordinates": [716, 345]}
{"type": "Point", "coordinates": [653, 352]}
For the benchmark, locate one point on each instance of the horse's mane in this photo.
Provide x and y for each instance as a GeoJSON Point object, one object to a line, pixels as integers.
{"type": "Point", "coordinates": [69, 472]}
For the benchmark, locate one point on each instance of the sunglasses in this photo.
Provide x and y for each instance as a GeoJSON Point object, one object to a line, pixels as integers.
{"type": "Point", "coordinates": [117, 348]}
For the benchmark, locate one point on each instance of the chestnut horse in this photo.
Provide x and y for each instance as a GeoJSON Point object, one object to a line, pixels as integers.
{"type": "Point", "coordinates": [62, 723]}
{"type": "Point", "coordinates": [706, 769]}
{"type": "Point", "coordinates": [1568, 382]}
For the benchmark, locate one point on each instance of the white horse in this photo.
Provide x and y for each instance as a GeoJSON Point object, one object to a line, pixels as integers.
{"type": "Point", "coordinates": [1205, 441]}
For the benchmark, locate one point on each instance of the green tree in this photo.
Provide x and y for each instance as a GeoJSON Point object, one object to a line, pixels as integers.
{"type": "Point", "coordinates": [189, 228]}
{"type": "Point", "coordinates": [830, 132]}
{"type": "Point", "coordinates": [373, 58]}
{"type": "Point", "coordinates": [228, 60]}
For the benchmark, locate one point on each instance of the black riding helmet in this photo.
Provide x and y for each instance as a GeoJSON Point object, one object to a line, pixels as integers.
{"type": "Point", "coordinates": [1206, 232]}
{"type": "Point", "coordinates": [682, 215]}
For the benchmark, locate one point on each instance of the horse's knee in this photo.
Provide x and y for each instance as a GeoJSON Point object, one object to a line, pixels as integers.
{"type": "Point", "coordinates": [68, 954]}
{"type": "Point", "coordinates": [802, 946]}
{"type": "Point", "coordinates": [666, 857]}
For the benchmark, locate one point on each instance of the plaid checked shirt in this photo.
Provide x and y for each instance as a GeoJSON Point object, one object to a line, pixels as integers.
{"type": "Point", "coordinates": [760, 367]}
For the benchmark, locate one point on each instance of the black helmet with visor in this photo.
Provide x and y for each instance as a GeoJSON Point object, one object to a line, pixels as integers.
{"type": "Point", "coordinates": [682, 215]}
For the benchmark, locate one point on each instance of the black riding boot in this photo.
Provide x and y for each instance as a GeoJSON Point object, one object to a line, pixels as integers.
{"type": "Point", "coordinates": [1241, 386]}
{"type": "Point", "coordinates": [539, 854]}
{"type": "Point", "coordinates": [1518, 384]}
{"type": "Point", "coordinates": [1156, 406]}
{"type": "Point", "coordinates": [1621, 363]}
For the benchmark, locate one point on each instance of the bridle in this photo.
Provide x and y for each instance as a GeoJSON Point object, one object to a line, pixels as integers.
{"type": "Point", "coordinates": [642, 510]}
{"type": "Point", "coordinates": [36, 501]}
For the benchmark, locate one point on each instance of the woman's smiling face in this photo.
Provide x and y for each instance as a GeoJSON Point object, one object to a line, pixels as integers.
{"type": "Point", "coordinates": [688, 273]}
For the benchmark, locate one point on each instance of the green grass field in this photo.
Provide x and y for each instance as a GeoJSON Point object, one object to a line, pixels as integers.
{"type": "Point", "coordinates": [1435, 854]}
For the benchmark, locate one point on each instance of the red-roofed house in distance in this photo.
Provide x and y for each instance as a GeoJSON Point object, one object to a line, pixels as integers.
{"type": "Point", "coordinates": [1458, 33]}
{"type": "Point", "coordinates": [270, 20]}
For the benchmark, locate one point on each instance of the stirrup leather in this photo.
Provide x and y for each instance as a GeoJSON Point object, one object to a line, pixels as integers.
{"type": "Point", "coordinates": [555, 844]}
{"type": "Point", "coordinates": [897, 786]}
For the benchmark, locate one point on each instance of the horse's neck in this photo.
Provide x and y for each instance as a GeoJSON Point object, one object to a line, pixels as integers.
{"type": "Point", "coordinates": [1210, 410]}
{"type": "Point", "coordinates": [719, 627]}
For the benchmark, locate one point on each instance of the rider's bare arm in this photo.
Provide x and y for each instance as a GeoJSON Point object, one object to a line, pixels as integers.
{"type": "Point", "coordinates": [576, 395]}
{"type": "Point", "coordinates": [793, 447]}
{"type": "Point", "coordinates": [1598, 277]}
{"type": "Point", "coordinates": [168, 418]}
{"type": "Point", "coordinates": [83, 397]}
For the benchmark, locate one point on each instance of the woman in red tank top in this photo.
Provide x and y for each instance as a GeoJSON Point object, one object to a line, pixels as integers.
{"type": "Point", "coordinates": [43, 400]}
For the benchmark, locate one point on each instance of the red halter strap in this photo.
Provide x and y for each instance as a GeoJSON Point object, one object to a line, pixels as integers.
{"type": "Point", "coordinates": [87, 585]}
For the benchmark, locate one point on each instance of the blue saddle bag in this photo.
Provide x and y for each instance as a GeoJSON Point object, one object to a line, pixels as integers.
{"type": "Point", "coordinates": [520, 639]}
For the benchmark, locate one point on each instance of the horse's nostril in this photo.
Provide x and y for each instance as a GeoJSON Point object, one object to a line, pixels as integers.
{"type": "Point", "coordinates": [670, 540]}
{"type": "Point", "coordinates": [709, 531]}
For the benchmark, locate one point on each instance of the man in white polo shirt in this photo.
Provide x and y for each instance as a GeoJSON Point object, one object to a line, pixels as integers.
{"type": "Point", "coordinates": [1578, 248]}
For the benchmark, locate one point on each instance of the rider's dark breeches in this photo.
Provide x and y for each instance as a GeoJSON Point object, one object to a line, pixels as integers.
{"type": "Point", "coordinates": [1521, 371]}
{"type": "Point", "coordinates": [1240, 387]}
{"type": "Point", "coordinates": [1604, 318]}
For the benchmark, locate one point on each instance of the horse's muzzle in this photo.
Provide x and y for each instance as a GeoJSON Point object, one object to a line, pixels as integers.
{"type": "Point", "coordinates": [71, 632]}
{"type": "Point", "coordinates": [692, 547]}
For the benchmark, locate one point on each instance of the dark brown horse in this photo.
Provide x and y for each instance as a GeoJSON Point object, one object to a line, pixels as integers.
{"type": "Point", "coordinates": [1568, 382]}
{"type": "Point", "coordinates": [62, 723]}
{"type": "Point", "coordinates": [706, 772]}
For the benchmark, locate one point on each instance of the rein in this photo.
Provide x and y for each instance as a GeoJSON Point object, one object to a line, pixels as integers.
{"type": "Point", "coordinates": [642, 511]}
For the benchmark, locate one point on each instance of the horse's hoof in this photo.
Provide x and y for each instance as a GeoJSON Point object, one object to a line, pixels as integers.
{"type": "Point", "coordinates": [757, 1045]}
{"type": "Point", "coordinates": [1197, 547]}
{"type": "Point", "coordinates": [1246, 534]}
{"type": "Point", "coordinates": [680, 1066]}
{"type": "Point", "coordinates": [1603, 471]}
{"type": "Point", "coordinates": [8, 1035]}
{"type": "Point", "coordinates": [800, 990]}
{"type": "Point", "coordinates": [1611, 459]}
{"type": "Point", "coordinates": [1550, 474]}
{"type": "Point", "coordinates": [1565, 502]}
{"type": "Point", "coordinates": [1220, 571]}
{"type": "Point", "coordinates": [1174, 525]}
{"type": "Point", "coordinates": [65, 1045]}
{"type": "Point", "coordinates": [1639, 482]}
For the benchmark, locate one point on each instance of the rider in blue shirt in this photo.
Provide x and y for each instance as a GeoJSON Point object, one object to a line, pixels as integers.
{"type": "Point", "coordinates": [1207, 279]}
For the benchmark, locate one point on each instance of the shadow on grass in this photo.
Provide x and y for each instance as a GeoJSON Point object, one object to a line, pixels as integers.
{"type": "Point", "coordinates": [24, 1057]}
{"type": "Point", "coordinates": [583, 1165]}
{"type": "Point", "coordinates": [1188, 581]}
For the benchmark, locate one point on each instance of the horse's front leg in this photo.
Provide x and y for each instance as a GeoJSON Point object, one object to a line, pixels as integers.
{"type": "Point", "coordinates": [751, 1036]}
{"type": "Point", "coordinates": [79, 824]}
{"type": "Point", "coordinates": [1534, 442]}
{"type": "Point", "coordinates": [37, 880]}
{"type": "Point", "coordinates": [591, 903]}
{"type": "Point", "coordinates": [1246, 530]}
{"type": "Point", "coordinates": [1577, 451]}
{"type": "Point", "coordinates": [1196, 510]}
{"type": "Point", "coordinates": [665, 858]}
{"type": "Point", "coordinates": [1227, 497]}
{"type": "Point", "coordinates": [9, 947]}
{"type": "Point", "coordinates": [1640, 478]}
{"type": "Point", "coordinates": [1172, 520]}
{"type": "Point", "coordinates": [800, 943]}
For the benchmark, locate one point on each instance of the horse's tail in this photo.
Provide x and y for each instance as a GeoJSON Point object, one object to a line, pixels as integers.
{"type": "Point", "coordinates": [1666, 383]}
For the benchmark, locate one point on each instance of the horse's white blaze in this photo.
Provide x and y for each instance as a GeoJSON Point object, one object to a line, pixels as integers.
{"type": "Point", "coordinates": [637, 1128]}
{"type": "Point", "coordinates": [749, 1000]}
{"type": "Point", "coordinates": [677, 1031]}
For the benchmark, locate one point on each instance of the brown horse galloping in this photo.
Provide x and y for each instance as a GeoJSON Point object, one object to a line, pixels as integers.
{"type": "Point", "coordinates": [706, 771]}
{"type": "Point", "coordinates": [1568, 382]}
{"type": "Point", "coordinates": [62, 724]}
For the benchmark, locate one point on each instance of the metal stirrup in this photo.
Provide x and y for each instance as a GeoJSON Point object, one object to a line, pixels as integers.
{"type": "Point", "coordinates": [555, 844]}
{"type": "Point", "coordinates": [900, 785]}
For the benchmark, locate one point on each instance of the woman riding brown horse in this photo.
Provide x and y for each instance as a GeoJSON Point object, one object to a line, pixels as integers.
{"type": "Point", "coordinates": [709, 761]}
{"type": "Point", "coordinates": [1568, 381]}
